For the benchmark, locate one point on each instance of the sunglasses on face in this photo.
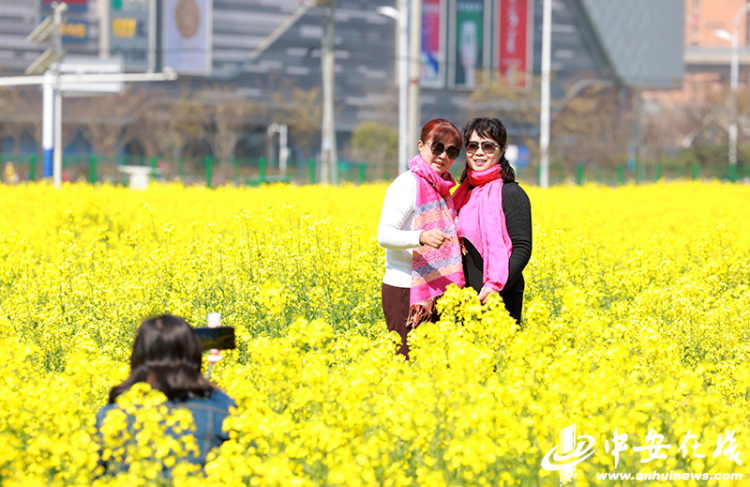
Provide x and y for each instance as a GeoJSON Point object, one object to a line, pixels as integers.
{"type": "Point", "coordinates": [438, 148]}
{"type": "Point", "coordinates": [487, 147]}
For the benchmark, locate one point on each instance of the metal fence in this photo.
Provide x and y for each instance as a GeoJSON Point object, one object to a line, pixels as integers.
{"type": "Point", "coordinates": [189, 170]}
{"type": "Point", "coordinates": [255, 171]}
{"type": "Point", "coordinates": [619, 175]}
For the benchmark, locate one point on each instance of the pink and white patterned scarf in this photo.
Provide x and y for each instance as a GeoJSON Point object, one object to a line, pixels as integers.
{"type": "Point", "coordinates": [433, 269]}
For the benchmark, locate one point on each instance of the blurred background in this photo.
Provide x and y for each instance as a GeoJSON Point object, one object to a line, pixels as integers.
{"type": "Point", "coordinates": [323, 91]}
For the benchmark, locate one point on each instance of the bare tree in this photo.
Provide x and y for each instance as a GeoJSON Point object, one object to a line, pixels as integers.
{"type": "Point", "coordinates": [659, 133]}
{"type": "Point", "coordinates": [702, 119]}
{"type": "Point", "coordinates": [221, 117]}
{"type": "Point", "coordinates": [593, 128]}
{"type": "Point", "coordinates": [513, 106]}
{"type": "Point", "coordinates": [224, 125]}
{"type": "Point", "coordinates": [9, 104]}
{"type": "Point", "coordinates": [302, 112]}
{"type": "Point", "coordinates": [164, 125]}
{"type": "Point", "coordinates": [22, 111]}
{"type": "Point", "coordinates": [375, 143]}
{"type": "Point", "coordinates": [108, 120]}
{"type": "Point", "coordinates": [189, 120]}
{"type": "Point", "coordinates": [517, 108]}
{"type": "Point", "coordinates": [75, 110]}
{"type": "Point", "coordinates": [28, 116]}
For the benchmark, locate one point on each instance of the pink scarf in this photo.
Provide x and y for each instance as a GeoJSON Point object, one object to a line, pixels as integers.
{"type": "Point", "coordinates": [485, 221]}
{"type": "Point", "coordinates": [433, 269]}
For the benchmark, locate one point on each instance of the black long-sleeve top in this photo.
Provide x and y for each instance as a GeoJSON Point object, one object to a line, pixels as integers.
{"type": "Point", "coordinates": [517, 210]}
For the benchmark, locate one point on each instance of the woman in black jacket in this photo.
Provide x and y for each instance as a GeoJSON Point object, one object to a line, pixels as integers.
{"type": "Point", "coordinates": [494, 217]}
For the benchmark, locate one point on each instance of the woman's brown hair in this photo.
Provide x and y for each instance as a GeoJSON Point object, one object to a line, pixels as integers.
{"type": "Point", "coordinates": [167, 354]}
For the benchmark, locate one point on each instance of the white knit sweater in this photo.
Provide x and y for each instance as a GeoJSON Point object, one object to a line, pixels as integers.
{"type": "Point", "coordinates": [396, 232]}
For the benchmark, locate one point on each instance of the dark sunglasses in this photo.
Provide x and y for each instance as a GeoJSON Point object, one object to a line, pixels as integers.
{"type": "Point", "coordinates": [487, 147]}
{"type": "Point", "coordinates": [438, 148]}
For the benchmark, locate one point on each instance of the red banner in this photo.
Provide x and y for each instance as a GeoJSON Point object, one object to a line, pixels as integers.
{"type": "Point", "coordinates": [514, 36]}
{"type": "Point", "coordinates": [74, 5]}
{"type": "Point", "coordinates": [431, 55]}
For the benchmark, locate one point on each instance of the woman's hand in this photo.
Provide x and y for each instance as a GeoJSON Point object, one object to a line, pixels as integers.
{"type": "Point", "coordinates": [434, 238]}
{"type": "Point", "coordinates": [485, 293]}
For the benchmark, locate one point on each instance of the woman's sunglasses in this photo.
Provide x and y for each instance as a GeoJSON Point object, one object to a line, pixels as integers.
{"type": "Point", "coordinates": [438, 148]}
{"type": "Point", "coordinates": [487, 147]}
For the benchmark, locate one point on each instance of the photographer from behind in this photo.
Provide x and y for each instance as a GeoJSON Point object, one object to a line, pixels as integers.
{"type": "Point", "coordinates": [167, 354]}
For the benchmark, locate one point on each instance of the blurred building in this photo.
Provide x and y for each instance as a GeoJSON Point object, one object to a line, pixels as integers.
{"type": "Point", "coordinates": [467, 44]}
{"type": "Point", "coordinates": [707, 50]}
{"type": "Point", "coordinates": [704, 17]}
{"type": "Point", "coordinates": [708, 24]}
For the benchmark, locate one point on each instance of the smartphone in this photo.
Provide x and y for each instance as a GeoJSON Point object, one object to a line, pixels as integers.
{"type": "Point", "coordinates": [220, 337]}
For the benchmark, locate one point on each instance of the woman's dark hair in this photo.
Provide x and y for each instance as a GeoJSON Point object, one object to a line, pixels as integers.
{"type": "Point", "coordinates": [167, 354]}
{"type": "Point", "coordinates": [490, 128]}
{"type": "Point", "coordinates": [442, 130]}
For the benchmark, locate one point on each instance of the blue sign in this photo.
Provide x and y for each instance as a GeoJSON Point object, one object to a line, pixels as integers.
{"type": "Point", "coordinates": [75, 30]}
{"type": "Point", "coordinates": [631, 157]}
{"type": "Point", "coordinates": [524, 156]}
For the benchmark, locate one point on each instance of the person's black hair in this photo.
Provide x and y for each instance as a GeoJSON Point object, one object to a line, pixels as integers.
{"type": "Point", "coordinates": [489, 128]}
{"type": "Point", "coordinates": [167, 354]}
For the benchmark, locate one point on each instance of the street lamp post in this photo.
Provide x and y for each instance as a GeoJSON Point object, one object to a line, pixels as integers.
{"type": "Point", "coordinates": [328, 152]}
{"type": "Point", "coordinates": [401, 15]}
{"type": "Point", "coordinates": [734, 82]}
{"type": "Point", "coordinates": [415, 50]}
{"type": "Point", "coordinates": [544, 112]}
{"type": "Point", "coordinates": [58, 8]}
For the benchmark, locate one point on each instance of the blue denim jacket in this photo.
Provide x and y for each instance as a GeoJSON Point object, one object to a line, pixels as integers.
{"type": "Point", "coordinates": [208, 414]}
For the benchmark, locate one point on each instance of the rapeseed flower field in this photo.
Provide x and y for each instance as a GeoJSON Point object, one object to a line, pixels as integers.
{"type": "Point", "coordinates": [636, 331]}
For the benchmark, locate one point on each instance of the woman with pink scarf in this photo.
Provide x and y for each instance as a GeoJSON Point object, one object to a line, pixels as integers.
{"type": "Point", "coordinates": [418, 232]}
{"type": "Point", "coordinates": [494, 217]}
